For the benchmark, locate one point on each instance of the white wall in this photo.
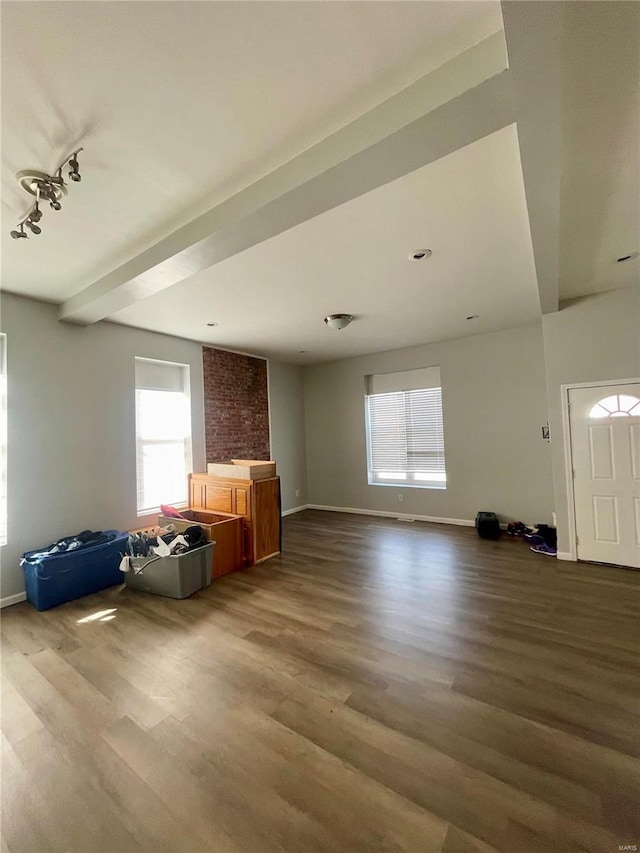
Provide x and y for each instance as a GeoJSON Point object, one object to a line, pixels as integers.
{"type": "Point", "coordinates": [71, 421]}
{"type": "Point", "coordinates": [494, 404]}
{"type": "Point", "coordinates": [591, 339]}
{"type": "Point", "coordinates": [286, 412]}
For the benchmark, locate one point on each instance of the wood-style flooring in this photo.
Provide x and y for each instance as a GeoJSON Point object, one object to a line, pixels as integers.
{"type": "Point", "coordinates": [382, 686]}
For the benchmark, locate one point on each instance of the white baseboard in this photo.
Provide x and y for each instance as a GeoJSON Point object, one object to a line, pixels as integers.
{"type": "Point", "coordinates": [565, 555]}
{"type": "Point", "coordinates": [13, 599]}
{"type": "Point", "coordinates": [294, 509]}
{"type": "Point", "coordinates": [461, 522]}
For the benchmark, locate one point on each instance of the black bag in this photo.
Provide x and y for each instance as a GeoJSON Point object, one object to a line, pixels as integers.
{"type": "Point", "coordinates": [488, 526]}
{"type": "Point", "coordinates": [549, 534]}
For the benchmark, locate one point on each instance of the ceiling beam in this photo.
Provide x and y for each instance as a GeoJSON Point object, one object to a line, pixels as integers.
{"type": "Point", "coordinates": [464, 100]}
{"type": "Point", "coordinates": [533, 32]}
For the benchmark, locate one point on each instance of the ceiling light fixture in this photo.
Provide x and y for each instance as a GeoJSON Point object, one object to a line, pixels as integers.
{"type": "Point", "coordinates": [473, 316]}
{"type": "Point", "coordinates": [630, 257]}
{"type": "Point", "coordinates": [420, 254]}
{"type": "Point", "coordinates": [338, 321]}
{"type": "Point", "coordinates": [46, 187]}
{"type": "Point", "coordinates": [212, 324]}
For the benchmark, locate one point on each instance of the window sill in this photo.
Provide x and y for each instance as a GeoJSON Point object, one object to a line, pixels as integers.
{"type": "Point", "coordinates": [441, 487]}
{"type": "Point", "coordinates": [157, 510]}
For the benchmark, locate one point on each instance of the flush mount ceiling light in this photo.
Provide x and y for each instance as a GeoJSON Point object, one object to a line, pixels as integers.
{"type": "Point", "coordinates": [43, 187]}
{"type": "Point", "coordinates": [630, 257]}
{"type": "Point", "coordinates": [420, 254]}
{"type": "Point", "coordinates": [338, 321]}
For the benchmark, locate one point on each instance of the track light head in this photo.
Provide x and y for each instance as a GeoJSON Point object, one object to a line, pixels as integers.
{"type": "Point", "coordinates": [36, 214]}
{"type": "Point", "coordinates": [17, 235]}
{"type": "Point", "coordinates": [55, 205]}
{"type": "Point", "coordinates": [74, 169]}
{"type": "Point", "coordinates": [35, 229]}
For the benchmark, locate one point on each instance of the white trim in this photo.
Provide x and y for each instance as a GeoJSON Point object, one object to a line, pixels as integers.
{"type": "Point", "coordinates": [294, 509]}
{"type": "Point", "coordinates": [568, 472]}
{"type": "Point", "coordinates": [269, 418]}
{"type": "Point", "coordinates": [604, 383]}
{"type": "Point", "coordinates": [461, 522]}
{"type": "Point", "coordinates": [572, 553]}
{"type": "Point", "coordinates": [565, 555]}
{"type": "Point", "coordinates": [13, 599]}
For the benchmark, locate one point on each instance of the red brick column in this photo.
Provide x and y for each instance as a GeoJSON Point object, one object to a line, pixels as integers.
{"type": "Point", "coordinates": [236, 406]}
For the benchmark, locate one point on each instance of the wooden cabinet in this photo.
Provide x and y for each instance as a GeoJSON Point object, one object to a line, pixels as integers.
{"type": "Point", "coordinates": [225, 530]}
{"type": "Point", "coordinates": [257, 501]}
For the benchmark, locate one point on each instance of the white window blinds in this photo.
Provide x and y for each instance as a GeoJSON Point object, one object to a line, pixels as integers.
{"type": "Point", "coordinates": [405, 438]}
{"type": "Point", "coordinates": [163, 434]}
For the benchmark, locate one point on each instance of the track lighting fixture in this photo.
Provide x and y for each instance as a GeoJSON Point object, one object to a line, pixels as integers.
{"type": "Point", "coordinates": [45, 187]}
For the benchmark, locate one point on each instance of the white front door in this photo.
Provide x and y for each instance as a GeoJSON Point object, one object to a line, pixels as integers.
{"type": "Point", "coordinates": [605, 450]}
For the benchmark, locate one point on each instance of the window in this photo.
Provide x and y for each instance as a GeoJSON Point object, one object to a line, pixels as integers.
{"type": "Point", "coordinates": [3, 439]}
{"type": "Point", "coordinates": [405, 440]}
{"type": "Point", "coordinates": [616, 406]}
{"type": "Point", "coordinates": [163, 434]}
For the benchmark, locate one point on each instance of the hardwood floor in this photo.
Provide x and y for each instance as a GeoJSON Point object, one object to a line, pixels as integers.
{"type": "Point", "coordinates": [381, 686]}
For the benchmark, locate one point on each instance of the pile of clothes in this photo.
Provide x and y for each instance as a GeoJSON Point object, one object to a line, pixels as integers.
{"type": "Point", "coordinates": [85, 539]}
{"type": "Point", "coordinates": [542, 538]}
{"type": "Point", "coordinates": [160, 542]}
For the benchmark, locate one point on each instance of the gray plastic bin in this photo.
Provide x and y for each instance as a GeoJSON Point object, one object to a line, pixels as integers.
{"type": "Point", "coordinates": [174, 576]}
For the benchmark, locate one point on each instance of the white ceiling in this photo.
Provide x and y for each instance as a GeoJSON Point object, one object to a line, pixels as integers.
{"type": "Point", "coordinates": [181, 104]}
{"type": "Point", "coordinates": [469, 208]}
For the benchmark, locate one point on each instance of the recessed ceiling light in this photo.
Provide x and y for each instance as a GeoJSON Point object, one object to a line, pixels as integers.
{"type": "Point", "coordinates": [630, 257]}
{"type": "Point", "coordinates": [212, 324]}
{"type": "Point", "coordinates": [473, 316]}
{"type": "Point", "coordinates": [302, 351]}
{"type": "Point", "coordinates": [420, 254]}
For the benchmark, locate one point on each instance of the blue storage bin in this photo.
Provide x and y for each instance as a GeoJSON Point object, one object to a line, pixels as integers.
{"type": "Point", "coordinates": [57, 578]}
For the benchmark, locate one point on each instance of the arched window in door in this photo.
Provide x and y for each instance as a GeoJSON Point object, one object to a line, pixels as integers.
{"type": "Point", "coordinates": [616, 406]}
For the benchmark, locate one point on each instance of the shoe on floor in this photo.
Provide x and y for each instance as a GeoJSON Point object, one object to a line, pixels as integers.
{"type": "Point", "coordinates": [543, 548]}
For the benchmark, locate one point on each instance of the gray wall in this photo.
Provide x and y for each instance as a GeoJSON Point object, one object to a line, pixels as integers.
{"type": "Point", "coordinates": [494, 403]}
{"type": "Point", "coordinates": [71, 419]}
{"type": "Point", "coordinates": [592, 339]}
{"type": "Point", "coordinates": [286, 410]}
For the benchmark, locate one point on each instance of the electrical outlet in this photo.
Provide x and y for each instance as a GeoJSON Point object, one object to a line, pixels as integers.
{"type": "Point", "coordinates": [400, 497]}
{"type": "Point", "coordinates": [297, 493]}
